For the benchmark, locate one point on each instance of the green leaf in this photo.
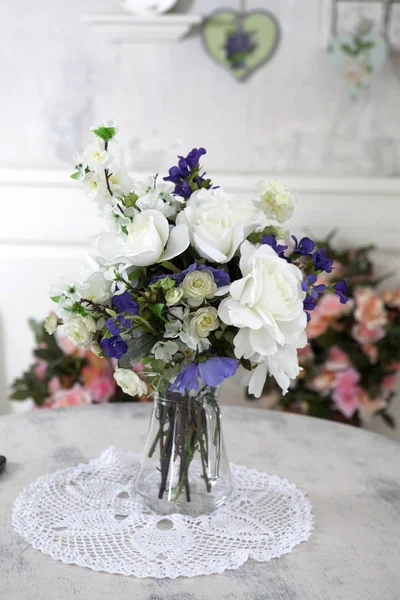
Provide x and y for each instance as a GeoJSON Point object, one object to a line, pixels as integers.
{"type": "Point", "coordinates": [137, 349]}
{"type": "Point", "coordinates": [168, 265]}
{"type": "Point", "coordinates": [347, 49]}
{"type": "Point", "coordinates": [130, 199]}
{"type": "Point", "coordinates": [79, 309]}
{"type": "Point", "coordinates": [20, 395]}
{"type": "Point", "coordinates": [55, 298]}
{"type": "Point", "coordinates": [75, 175]}
{"type": "Point", "coordinates": [157, 310]}
{"type": "Point", "coordinates": [105, 133]}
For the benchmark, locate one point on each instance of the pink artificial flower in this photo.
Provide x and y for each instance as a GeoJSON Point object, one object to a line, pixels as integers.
{"type": "Point", "coordinates": [74, 396]}
{"type": "Point", "coordinates": [389, 383]}
{"type": "Point", "coordinates": [317, 326]}
{"type": "Point", "coordinates": [40, 370]}
{"type": "Point", "coordinates": [330, 306]}
{"type": "Point", "coordinates": [372, 352]}
{"type": "Point", "coordinates": [347, 391]}
{"type": "Point", "coordinates": [368, 407]}
{"type": "Point", "coordinates": [366, 335]}
{"type": "Point", "coordinates": [337, 360]}
{"type": "Point", "coordinates": [69, 348]}
{"type": "Point", "coordinates": [54, 385]}
{"type": "Point", "coordinates": [370, 310]}
{"type": "Point", "coordinates": [391, 298]}
{"type": "Point", "coordinates": [322, 383]}
{"type": "Point", "coordinates": [102, 389]}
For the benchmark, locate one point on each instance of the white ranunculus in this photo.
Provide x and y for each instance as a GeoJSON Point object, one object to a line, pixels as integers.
{"type": "Point", "coordinates": [276, 200]}
{"type": "Point", "coordinates": [197, 286]}
{"type": "Point", "coordinates": [198, 326]}
{"type": "Point", "coordinates": [130, 382]}
{"type": "Point", "coordinates": [266, 305]}
{"type": "Point", "coordinates": [79, 329]}
{"type": "Point", "coordinates": [165, 350]}
{"type": "Point", "coordinates": [148, 241]}
{"type": "Point", "coordinates": [51, 323]}
{"type": "Point", "coordinates": [173, 296]}
{"type": "Point", "coordinates": [218, 223]}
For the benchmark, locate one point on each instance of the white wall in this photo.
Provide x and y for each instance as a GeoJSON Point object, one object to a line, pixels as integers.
{"type": "Point", "coordinates": [292, 117]}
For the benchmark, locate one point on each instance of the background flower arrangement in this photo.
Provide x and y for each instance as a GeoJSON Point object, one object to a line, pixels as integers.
{"type": "Point", "coordinates": [65, 375]}
{"type": "Point", "coordinates": [351, 364]}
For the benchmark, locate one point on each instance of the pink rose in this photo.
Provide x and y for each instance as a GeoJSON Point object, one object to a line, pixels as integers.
{"type": "Point", "coordinates": [69, 348]}
{"type": "Point", "coordinates": [370, 310]}
{"type": "Point", "coordinates": [391, 298]}
{"type": "Point", "coordinates": [322, 383]}
{"type": "Point", "coordinates": [346, 392]}
{"type": "Point", "coordinates": [337, 360]}
{"type": "Point", "coordinates": [368, 407]}
{"type": "Point", "coordinates": [101, 389]}
{"type": "Point", "coordinates": [40, 370]}
{"type": "Point", "coordinates": [54, 385]}
{"type": "Point", "coordinates": [317, 326]}
{"type": "Point", "coordinates": [330, 306]}
{"type": "Point", "coordinates": [74, 396]}
{"type": "Point", "coordinates": [372, 352]}
{"type": "Point", "coordinates": [389, 383]}
{"type": "Point", "coordinates": [366, 335]}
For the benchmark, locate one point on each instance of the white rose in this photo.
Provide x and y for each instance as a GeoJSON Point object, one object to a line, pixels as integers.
{"type": "Point", "coordinates": [51, 323]}
{"type": "Point", "coordinates": [80, 329]}
{"type": "Point", "coordinates": [277, 202]}
{"type": "Point", "coordinates": [165, 350]}
{"type": "Point", "coordinates": [197, 286]}
{"type": "Point", "coordinates": [173, 296]}
{"type": "Point", "coordinates": [147, 242]}
{"type": "Point", "coordinates": [283, 366]}
{"type": "Point", "coordinates": [266, 305]}
{"type": "Point", "coordinates": [98, 289]}
{"type": "Point", "coordinates": [218, 224]}
{"type": "Point", "coordinates": [130, 382]}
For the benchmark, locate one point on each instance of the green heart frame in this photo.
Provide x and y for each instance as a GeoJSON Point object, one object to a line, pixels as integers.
{"type": "Point", "coordinates": [260, 23]}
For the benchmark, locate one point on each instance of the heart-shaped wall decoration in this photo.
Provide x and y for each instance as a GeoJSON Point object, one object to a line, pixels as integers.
{"type": "Point", "coordinates": [241, 41]}
{"type": "Point", "coordinates": [358, 59]}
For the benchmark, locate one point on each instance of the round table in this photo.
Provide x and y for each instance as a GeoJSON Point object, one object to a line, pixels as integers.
{"type": "Point", "coordinates": [352, 478]}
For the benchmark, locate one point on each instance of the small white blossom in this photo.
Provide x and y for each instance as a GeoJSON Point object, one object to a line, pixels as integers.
{"type": "Point", "coordinates": [130, 382]}
{"type": "Point", "coordinates": [276, 200]}
{"type": "Point", "coordinates": [96, 157]}
{"type": "Point", "coordinates": [120, 181]}
{"type": "Point", "coordinates": [165, 350]}
{"type": "Point", "coordinates": [51, 323]}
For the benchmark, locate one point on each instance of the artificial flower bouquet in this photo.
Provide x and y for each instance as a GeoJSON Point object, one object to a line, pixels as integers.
{"type": "Point", "coordinates": [191, 282]}
{"type": "Point", "coordinates": [63, 375]}
{"type": "Point", "coordinates": [351, 364]}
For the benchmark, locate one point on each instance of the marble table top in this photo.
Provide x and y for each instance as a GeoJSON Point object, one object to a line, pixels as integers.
{"type": "Point", "coordinates": [352, 478]}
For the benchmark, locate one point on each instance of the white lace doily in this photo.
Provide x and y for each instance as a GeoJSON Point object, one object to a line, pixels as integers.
{"type": "Point", "coordinates": [87, 516]}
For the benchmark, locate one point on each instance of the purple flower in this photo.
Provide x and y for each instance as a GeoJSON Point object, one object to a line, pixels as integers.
{"type": "Point", "coordinates": [309, 304]}
{"type": "Point", "coordinates": [187, 379]}
{"type": "Point", "coordinates": [114, 325]}
{"type": "Point", "coordinates": [212, 371]}
{"type": "Point", "coordinates": [322, 262]}
{"type": "Point", "coordinates": [125, 303]}
{"type": "Point", "coordinates": [221, 277]}
{"type": "Point", "coordinates": [304, 247]}
{"type": "Point", "coordinates": [309, 286]}
{"type": "Point", "coordinates": [187, 172]}
{"type": "Point", "coordinates": [341, 290]}
{"type": "Point", "coordinates": [270, 240]}
{"type": "Point", "coordinates": [114, 347]}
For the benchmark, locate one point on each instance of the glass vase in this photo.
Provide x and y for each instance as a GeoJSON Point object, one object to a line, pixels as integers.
{"type": "Point", "coordinates": [184, 467]}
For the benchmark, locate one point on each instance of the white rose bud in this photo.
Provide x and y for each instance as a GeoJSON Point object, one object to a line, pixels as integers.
{"type": "Point", "coordinates": [80, 330]}
{"type": "Point", "coordinates": [277, 202]}
{"type": "Point", "coordinates": [97, 350]}
{"type": "Point", "coordinates": [197, 286]}
{"type": "Point", "coordinates": [165, 350]}
{"type": "Point", "coordinates": [204, 321]}
{"type": "Point", "coordinates": [130, 382]}
{"type": "Point", "coordinates": [173, 296]}
{"type": "Point", "coordinates": [51, 323]}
